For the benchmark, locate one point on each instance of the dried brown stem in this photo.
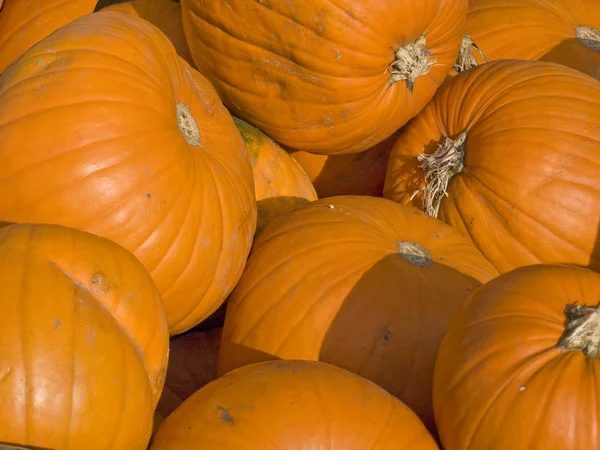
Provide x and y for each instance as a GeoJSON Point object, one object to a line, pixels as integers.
{"type": "Point", "coordinates": [411, 61]}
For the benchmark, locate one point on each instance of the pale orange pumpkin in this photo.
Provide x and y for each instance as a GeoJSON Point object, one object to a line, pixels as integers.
{"type": "Point", "coordinates": [84, 341]}
{"type": "Point", "coordinates": [132, 144]}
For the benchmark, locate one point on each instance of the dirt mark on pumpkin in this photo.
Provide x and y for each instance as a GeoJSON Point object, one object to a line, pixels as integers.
{"type": "Point", "coordinates": [225, 416]}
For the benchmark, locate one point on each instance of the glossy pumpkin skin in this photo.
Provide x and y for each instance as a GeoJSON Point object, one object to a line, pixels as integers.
{"type": "Point", "coordinates": [529, 192]}
{"type": "Point", "coordinates": [316, 77]}
{"type": "Point", "coordinates": [499, 367]}
{"type": "Point", "coordinates": [280, 183]}
{"type": "Point", "coordinates": [309, 287]}
{"type": "Point", "coordinates": [84, 341]}
{"type": "Point", "coordinates": [165, 14]}
{"type": "Point", "coordinates": [544, 30]}
{"type": "Point", "coordinates": [353, 174]}
{"type": "Point", "coordinates": [103, 160]}
{"type": "Point", "coordinates": [24, 23]}
{"type": "Point", "coordinates": [296, 405]}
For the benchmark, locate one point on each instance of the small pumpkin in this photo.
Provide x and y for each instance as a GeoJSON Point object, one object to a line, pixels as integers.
{"type": "Point", "coordinates": [84, 341]}
{"type": "Point", "coordinates": [513, 374]}
{"type": "Point", "coordinates": [134, 145]}
{"type": "Point", "coordinates": [508, 153]}
{"type": "Point", "coordinates": [292, 404]}
{"type": "Point", "coordinates": [358, 282]}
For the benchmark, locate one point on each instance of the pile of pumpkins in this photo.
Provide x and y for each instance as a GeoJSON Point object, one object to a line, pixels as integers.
{"type": "Point", "coordinates": [261, 224]}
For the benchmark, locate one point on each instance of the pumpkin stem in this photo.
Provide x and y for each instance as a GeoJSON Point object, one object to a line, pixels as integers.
{"type": "Point", "coordinates": [415, 254]}
{"type": "Point", "coordinates": [466, 58]}
{"type": "Point", "coordinates": [187, 125]}
{"type": "Point", "coordinates": [589, 37]}
{"type": "Point", "coordinates": [439, 168]}
{"type": "Point", "coordinates": [582, 330]}
{"type": "Point", "coordinates": [411, 61]}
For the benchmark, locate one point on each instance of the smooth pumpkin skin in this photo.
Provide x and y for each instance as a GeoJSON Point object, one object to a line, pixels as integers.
{"type": "Point", "coordinates": [165, 14]}
{"type": "Point", "coordinates": [109, 157]}
{"type": "Point", "coordinates": [315, 76]}
{"type": "Point", "coordinates": [353, 174]}
{"type": "Point", "coordinates": [310, 285]}
{"type": "Point", "coordinates": [544, 30]}
{"type": "Point", "coordinates": [84, 341]}
{"type": "Point", "coordinates": [24, 23]}
{"type": "Point", "coordinates": [280, 183]}
{"type": "Point", "coordinates": [499, 367]}
{"type": "Point", "coordinates": [295, 405]}
{"type": "Point", "coordinates": [529, 193]}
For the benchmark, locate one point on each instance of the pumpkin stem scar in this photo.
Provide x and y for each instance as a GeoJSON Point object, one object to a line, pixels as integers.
{"type": "Point", "coordinates": [589, 37]}
{"type": "Point", "coordinates": [448, 160]}
{"type": "Point", "coordinates": [187, 125]}
{"type": "Point", "coordinates": [466, 58]}
{"type": "Point", "coordinates": [411, 61]}
{"type": "Point", "coordinates": [415, 254]}
{"type": "Point", "coordinates": [582, 330]}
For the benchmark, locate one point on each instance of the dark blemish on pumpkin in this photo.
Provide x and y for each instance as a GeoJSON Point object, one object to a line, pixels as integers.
{"type": "Point", "coordinates": [280, 366]}
{"type": "Point", "coordinates": [386, 334]}
{"type": "Point", "coordinates": [148, 196]}
{"type": "Point", "coordinates": [99, 283]}
{"type": "Point", "coordinates": [225, 416]}
{"type": "Point", "coordinates": [57, 323]}
{"type": "Point", "coordinates": [39, 63]}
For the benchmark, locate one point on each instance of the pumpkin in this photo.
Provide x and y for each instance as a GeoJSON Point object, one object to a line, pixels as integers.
{"type": "Point", "coordinates": [292, 404]}
{"type": "Point", "coordinates": [560, 31]}
{"type": "Point", "coordinates": [132, 144]}
{"type": "Point", "coordinates": [508, 154]}
{"type": "Point", "coordinates": [511, 362]}
{"type": "Point", "coordinates": [84, 341]}
{"type": "Point", "coordinates": [322, 77]}
{"type": "Point", "coordinates": [165, 14]}
{"type": "Point", "coordinates": [280, 183]}
{"type": "Point", "coordinates": [358, 282]}
{"type": "Point", "coordinates": [352, 174]}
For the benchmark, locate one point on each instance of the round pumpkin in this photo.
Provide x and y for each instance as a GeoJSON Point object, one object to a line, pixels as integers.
{"type": "Point", "coordinates": [292, 404]}
{"type": "Point", "coordinates": [560, 31]}
{"type": "Point", "coordinates": [353, 174]}
{"type": "Point", "coordinates": [132, 144]}
{"type": "Point", "coordinates": [508, 154]}
{"type": "Point", "coordinates": [358, 282]}
{"type": "Point", "coordinates": [325, 78]}
{"type": "Point", "coordinates": [84, 341]}
{"type": "Point", "coordinates": [513, 373]}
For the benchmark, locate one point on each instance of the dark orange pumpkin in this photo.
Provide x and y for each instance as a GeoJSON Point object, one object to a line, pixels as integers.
{"type": "Point", "coordinates": [84, 341]}
{"type": "Point", "coordinates": [132, 144]}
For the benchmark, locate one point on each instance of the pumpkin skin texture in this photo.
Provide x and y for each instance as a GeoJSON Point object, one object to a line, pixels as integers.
{"type": "Point", "coordinates": [320, 77]}
{"type": "Point", "coordinates": [295, 405]}
{"type": "Point", "coordinates": [84, 341]}
{"type": "Point", "coordinates": [24, 23]}
{"type": "Point", "coordinates": [499, 367]}
{"type": "Point", "coordinates": [307, 293]}
{"type": "Point", "coordinates": [353, 174]}
{"type": "Point", "coordinates": [545, 30]}
{"type": "Point", "coordinates": [528, 192]}
{"type": "Point", "coordinates": [280, 183]}
{"type": "Point", "coordinates": [171, 182]}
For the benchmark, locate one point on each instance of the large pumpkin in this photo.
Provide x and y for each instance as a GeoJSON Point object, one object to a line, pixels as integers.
{"type": "Point", "coordinates": [132, 144]}
{"type": "Point", "coordinates": [561, 31]}
{"type": "Point", "coordinates": [323, 77]}
{"type": "Point", "coordinates": [292, 404]}
{"type": "Point", "coordinates": [280, 183]}
{"type": "Point", "coordinates": [359, 282]}
{"type": "Point", "coordinates": [84, 341]}
{"type": "Point", "coordinates": [508, 153]}
{"type": "Point", "coordinates": [512, 373]}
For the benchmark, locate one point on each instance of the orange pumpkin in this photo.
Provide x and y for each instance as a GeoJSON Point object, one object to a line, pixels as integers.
{"type": "Point", "coordinates": [561, 31]}
{"type": "Point", "coordinates": [280, 183]}
{"type": "Point", "coordinates": [292, 404]}
{"type": "Point", "coordinates": [165, 14]}
{"type": "Point", "coordinates": [359, 282]}
{"type": "Point", "coordinates": [84, 341]}
{"type": "Point", "coordinates": [132, 144]}
{"type": "Point", "coordinates": [508, 154]}
{"type": "Point", "coordinates": [354, 174]}
{"type": "Point", "coordinates": [512, 374]}
{"type": "Point", "coordinates": [322, 77]}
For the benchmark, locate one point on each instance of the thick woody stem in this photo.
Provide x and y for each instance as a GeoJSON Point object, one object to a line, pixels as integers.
{"type": "Point", "coordinates": [589, 37]}
{"type": "Point", "coordinates": [411, 61]}
{"type": "Point", "coordinates": [466, 58]}
{"type": "Point", "coordinates": [583, 330]}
